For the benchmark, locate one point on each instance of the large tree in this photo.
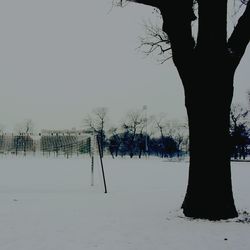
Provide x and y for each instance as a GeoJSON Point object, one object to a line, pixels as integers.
{"type": "Point", "coordinates": [206, 65]}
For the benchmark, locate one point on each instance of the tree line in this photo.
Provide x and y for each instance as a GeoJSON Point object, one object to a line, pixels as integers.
{"type": "Point", "coordinates": [138, 135]}
{"type": "Point", "coordinates": [142, 135]}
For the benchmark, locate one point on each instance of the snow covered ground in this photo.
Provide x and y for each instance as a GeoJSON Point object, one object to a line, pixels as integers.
{"type": "Point", "coordinates": [49, 204]}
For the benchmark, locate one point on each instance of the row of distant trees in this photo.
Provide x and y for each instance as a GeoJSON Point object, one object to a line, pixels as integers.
{"type": "Point", "coordinates": [139, 134]}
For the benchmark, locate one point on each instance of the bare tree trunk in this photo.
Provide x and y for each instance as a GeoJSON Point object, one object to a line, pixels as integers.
{"type": "Point", "coordinates": [209, 192]}
{"type": "Point", "coordinates": [206, 68]}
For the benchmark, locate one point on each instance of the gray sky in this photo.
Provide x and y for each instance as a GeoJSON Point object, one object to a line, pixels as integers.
{"type": "Point", "coordinates": [59, 59]}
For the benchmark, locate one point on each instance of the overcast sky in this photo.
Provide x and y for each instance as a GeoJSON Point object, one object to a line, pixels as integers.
{"type": "Point", "coordinates": [59, 59]}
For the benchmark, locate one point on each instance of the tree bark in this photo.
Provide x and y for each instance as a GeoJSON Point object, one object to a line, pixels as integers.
{"type": "Point", "coordinates": [208, 99]}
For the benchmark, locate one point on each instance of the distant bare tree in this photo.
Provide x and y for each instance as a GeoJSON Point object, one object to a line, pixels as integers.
{"type": "Point", "coordinates": [133, 125]}
{"type": "Point", "coordinates": [238, 114]}
{"type": "Point", "coordinates": [23, 139]}
{"type": "Point", "coordinates": [239, 130]}
{"type": "Point", "coordinates": [161, 124]}
{"type": "Point", "coordinates": [25, 127]}
{"type": "Point", "coordinates": [179, 132]}
{"type": "Point", "coordinates": [173, 129]}
{"type": "Point", "coordinates": [114, 141]}
{"type": "Point", "coordinates": [96, 123]}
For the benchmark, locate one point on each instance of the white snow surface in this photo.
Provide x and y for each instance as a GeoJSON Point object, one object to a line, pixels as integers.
{"type": "Point", "coordinates": [49, 204]}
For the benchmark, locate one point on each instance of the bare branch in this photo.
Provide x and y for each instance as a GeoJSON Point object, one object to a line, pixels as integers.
{"type": "Point", "coordinates": [26, 127]}
{"type": "Point", "coordinates": [238, 114]}
{"type": "Point", "coordinates": [240, 37]}
{"type": "Point", "coordinates": [134, 121]}
{"type": "Point", "coordinates": [154, 3]}
{"type": "Point", "coordinates": [97, 120]}
{"type": "Point", "coordinates": [155, 42]}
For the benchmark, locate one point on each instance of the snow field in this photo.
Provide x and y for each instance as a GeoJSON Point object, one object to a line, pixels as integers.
{"type": "Point", "coordinates": [49, 204]}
